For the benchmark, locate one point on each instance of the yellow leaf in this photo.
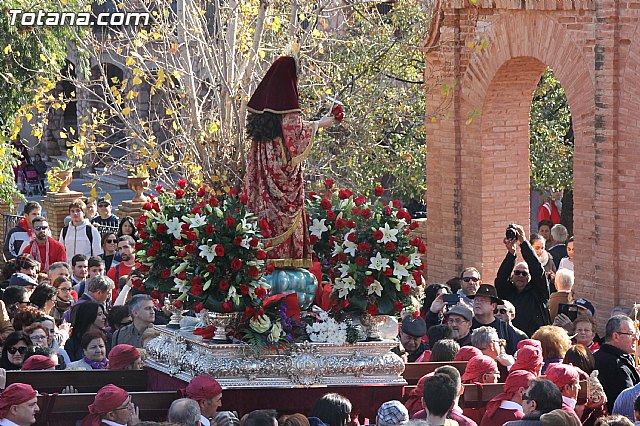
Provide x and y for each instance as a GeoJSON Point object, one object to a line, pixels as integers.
{"type": "Point", "coordinates": [7, 49]}
{"type": "Point", "coordinates": [153, 164]}
{"type": "Point", "coordinates": [93, 192]}
{"type": "Point", "coordinates": [29, 116]}
{"type": "Point", "coordinates": [43, 58]}
{"type": "Point", "coordinates": [126, 111]}
{"type": "Point", "coordinates": [137, 80]}
{"type": "Point", "coordinates": [72, 130]}
{"type": "Point", "coordinates": [168, 111]}
{"type": "Point", "coordinates": [130, 61]}
{"type": "Point", "coordinates": [63, 135]}
{"type": "Point", "coordinates": [316, 33]}
{"type": "Point", "coordinates": [261, 54]}
{"type": "Point", "coordinates": [107, 197]}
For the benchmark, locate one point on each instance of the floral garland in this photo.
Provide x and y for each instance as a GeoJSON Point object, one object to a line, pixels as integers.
{"type": "Point", "coordinates": [205, 250]}
{"type": "Point", "coordinates": [275, 324]}
{"type": "Point", "coordinates": [365, 250]}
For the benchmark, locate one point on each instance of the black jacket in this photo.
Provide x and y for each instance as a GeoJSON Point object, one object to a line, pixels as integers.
{"type": "Point", "coordinates": [532, 303]}
{"type": "Point", "coordinates": [528, 420]}
{"type": "Point", "coordinates": [616, 372]}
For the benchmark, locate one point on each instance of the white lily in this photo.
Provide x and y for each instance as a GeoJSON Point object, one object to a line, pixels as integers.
{"type": "Point", "coordinates": [399, 270]}
{"type": "Point", "coordinates": [245, 243]}
{"type": "Point", "coordinates": [349, 247]}
{"type": "Point", "coordinates": [174, 227]}
{"type": "Point", "coordinates": [388, 234]}
{"type": "Point", "coordinates": [344, 270]}
{"type": "Point", "coordinates": [181, 285]}
{"type": "Point", "coordinates": [415, 260]}
{"type": "Point", "coordinates": [197, 221]}
{"type": "Point", "coordinates": [276, 331]}
{"type": "Point", "coordinates": [318, 227]}
{"type": "Point", "coordinates": [376, 288]}
{"type": "Point", "coordinates": [208, 252]}
{"type": "Point", "coordinates": [337, 249]}
{"type": "Point", "coordinates": [344, 286]}
{"type": "Point", "coordinates": [378, 262]}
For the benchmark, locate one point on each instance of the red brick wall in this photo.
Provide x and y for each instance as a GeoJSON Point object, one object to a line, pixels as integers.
{"type": "Point", "coordinates": [478, 141]}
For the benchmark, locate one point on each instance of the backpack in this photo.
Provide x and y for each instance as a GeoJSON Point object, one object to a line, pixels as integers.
{"type": "Point", "coordinates": [87, 229]}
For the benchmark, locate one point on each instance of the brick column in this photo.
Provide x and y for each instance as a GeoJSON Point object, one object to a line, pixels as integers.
{"type": "Point", "coordinates": [57, 207]}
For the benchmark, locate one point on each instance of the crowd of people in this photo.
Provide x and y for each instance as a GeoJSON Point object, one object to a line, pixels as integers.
{"type": "Point", "coordinates": [69, 303]}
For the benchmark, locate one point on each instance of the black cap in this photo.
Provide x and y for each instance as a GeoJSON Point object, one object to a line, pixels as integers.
{"type": "Point", "coordinates": [103, 200]}
{"type": "Point", "coordinates": [22, 280]}
{"type": "Point", "coordinates": [584, 303]}
{"type": "Point", "coordinates": [487, 290]}
{"type": "Point", "coordinates": [415, 327]}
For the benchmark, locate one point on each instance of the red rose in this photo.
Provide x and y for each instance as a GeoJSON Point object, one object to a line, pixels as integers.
{"type": "Point", "coordinates": [387, 211]}
{"type": "Point", "coordinates": [138, 246]}
{"type": "Point", "coordinates": [213, 202]}
{"type": "Point", "coordinates": [340, 223]}
{"type": "Point", "coordinates": [144, 268]}
{"type": "Point", "coordinates": [159, 189]}
{"type": "Point", "coordinates": [368, 281]}
{"type": "Point", "coordinates": [182, 183]}
{"type": "Point", "coordinates": [244, 289]}
{"type": "Point", "coordinates": [202, 192]}
{"type": "Point", "coordinates": [184, 227]}
{"type": "Point", "coordinates": [378, 190]}
{"type": "Point", "coordinates": [414, 225]}
{"type": "Point", "coordinates": [343, 194]}
{"type": "Point", "coordinates": [253, 272]}
{"type": "Point", "coordinates": [355, 211]}
{"type": "Point", "coordinates": [151, 252]}
{"type": "Point", "coordinates": [421, 266]}
{"type": "Point", "coordinates": [237, 240]}
{"type": "Point", "coordinates": [270, 268]}
{"type": "Point", "coordinates": [398, 306]}
{"type": "Point", "coordinates": [365, 213]}
{"type": "Point", "coordinates": [191, 236]}
{"type": "Point", "coordinates": [372, 309]}
{"type": "Point", "coordinates": [422, 249]}
{"type": "Point", "coordinates": [198, 307]}
{"type": "Point", "coordinates": [260, 292]}
{"type": "Point", "coordinates": [196, 290]}
{"type": "Point", "coordinates": [236, 264]}
{"type": "Point", "coordinates": [405, 288]}
{"type": "Point", "coordinates": [331, 216]}
{"type": "Point", "coordinates": [389, 246]}
{"type": "Point", "coordinates": [261, 255]}
{"type": "Point", "coordinates": [219, 250]}
{"type": "Point", "coordinates": [361, 261]}
{"type": "Point", "coordinates": [223, 285]}
{"type": "Point", "coordinates": [414, 242]}
{"type": "Point", "coordinates": [233, 192]}
{"type": "Point", "coordinates": [226, 307]}
{"type": "Point", "coordinates": [179, 193]}
{"type": "Point", "coordinates": [313, 240]}
{"type": "Point", "coordinates": [351, 237]}
{"type": "Point", "coordinates": [165, 273]}
{"type": "Point", "coordinates": [177, 303]}
{"type": "Point", "coordinates": [144, 235]}
{"type": "Point", "coordinates": [230, 221]}
{"type": "Point", "coordinates": [209, 229]}
{"type": "Point", "coordinates": [178, 243]}
{"type": "Point", "coordinates": [157, 245]}
{"type": "Point", "coordinates": [196, 210]}
{"type": "Point", "coordinates": [156, 207]}
{"type": "Point", "coordinates": [147, 206]}
{"type": "Point", "coordinates": [364, 247]}
{"type": "Point", "coordinates": [387, 272]}
{"type": "Point", "coordinates": [162, 229]}
{"type": "Point", "coordinates": [244, 198]}
{"type": "Point", "coordinates": [341, 257]}
{"type": "Point", "coordinates": [397, 204]}
{"type": "Point", "coordinates": [360, 200]}
{"type": "Point", "coordinates": [328, 183]}
{"type": "Point", "coordinates": [378, 234]}
{"type": "Point", "coordinates": [182, 275]}
{"type": "Point", "coordinates": [196, 280]}
{"type": "Point", "coordinates": [351, 224]}
{"type": "Point", "coordinates": [403, 260]}
{"type": "Point", "coordinates": [211, 268]}
{"type": "Point", "coordinates": [325, 204]}
{"type": "Point", "coordinates": [417, 276]}
{"type": "Point", "coordinates": [254, 242]}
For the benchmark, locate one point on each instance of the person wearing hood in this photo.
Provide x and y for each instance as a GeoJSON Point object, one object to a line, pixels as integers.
{"type": "Point", "coordinates": [507, 406]}
{"type": "Point", "coordinates": [20, 235]}
{"type": "Point", "coordinates": [80, 237]}
{"type": "Point", "coordinates": [567, 378]}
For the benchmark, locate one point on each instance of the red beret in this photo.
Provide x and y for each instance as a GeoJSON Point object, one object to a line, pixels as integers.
{"type": "Point", "coordinates": [122, 355]}
{"type": "Point", "coordinates": [515, 380]}
{"type": "Point", "coordinates": [107, 399]}
{"type": "Point", "coordinates": [528, 358]}
{"type": "Point", "coordinates": [38, 362]}
{"type": "Point", "coordinates": [564, 374]}
{"type": "Point", "coordinates": [530, 342]}
{"type": "Point", "coordinates": [477, 367]}
{"type": "Point", "coordinates": [15, 394]}
{"type": "Point", "coordinates": [203, 387]}
{"type": "Point", "coordinates": [466, 353]}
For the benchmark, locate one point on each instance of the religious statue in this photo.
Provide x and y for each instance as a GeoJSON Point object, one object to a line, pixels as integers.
{"type": "Point", "coordinates": [280, 142]}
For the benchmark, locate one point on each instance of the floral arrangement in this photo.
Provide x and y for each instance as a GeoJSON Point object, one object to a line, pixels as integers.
{"type": "Point", "coordinates": [365, 250]}
{"type": "Point", "coordinates": [273, 324]}
{"type": "Point", "coordinates": [327, 330]}
{"type": "Point", "coordinates": [203, 249]}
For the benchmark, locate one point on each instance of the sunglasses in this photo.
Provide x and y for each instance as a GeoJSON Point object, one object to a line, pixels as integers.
{"type": "Point", "coordinates": [41, 227]}
{"type": "Point", "coordinates": [501, 311]}
{"type": "Point", "coordinates": [112, 241]}
{"type": "Point", "coordinates": [21, 350]}
{"type": "Point", "coordinates": [103, 205]}
{"type": "Point", "coordinates": [523, 273]}
{"type": "Point", "coordinates": [467, 279]}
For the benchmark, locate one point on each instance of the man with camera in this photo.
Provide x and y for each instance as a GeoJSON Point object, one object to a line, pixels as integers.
{"type": "Point", "coordinates": [524, 284]}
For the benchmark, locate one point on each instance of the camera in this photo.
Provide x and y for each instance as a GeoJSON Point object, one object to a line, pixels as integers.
{"type": "Point", "coordinates": [451, 299]}
{"type": "Point", "coordinates": [511, 233]}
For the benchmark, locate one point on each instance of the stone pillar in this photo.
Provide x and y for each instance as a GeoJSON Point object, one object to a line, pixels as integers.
{"type": "Point", "coordinates": [130, 208]}
{"type": "Point", "coordinates": [57, 207]}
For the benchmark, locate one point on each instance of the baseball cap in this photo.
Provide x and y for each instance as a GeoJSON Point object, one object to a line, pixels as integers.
{"type": "Point", "coordinates": [584, 303]}
{"type": "Point", "coordinates": [104, 200]}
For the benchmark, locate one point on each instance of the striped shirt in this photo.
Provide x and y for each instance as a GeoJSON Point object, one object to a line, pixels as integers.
{"type": "Point", "coordinates": [624, 402]}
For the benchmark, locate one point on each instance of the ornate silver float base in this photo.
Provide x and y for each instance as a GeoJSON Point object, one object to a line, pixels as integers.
{"type": "Point", "coordinates": [309, 364]}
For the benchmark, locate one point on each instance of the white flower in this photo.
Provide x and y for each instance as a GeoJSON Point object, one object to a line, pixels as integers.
{"type": "Point", "coordinates": [378, 262]}
{"type": "Point", "coordinates": [181, 285]}
{"type": "Point", "coordinates": [401, 224]}
{"type": "Point", "coordinates": [174, 226]}
{"type": "Point", "coordinates": [197, 221]}
{"type": "Point", "coordinates": [208, 252]}
{"type": "Point", "coordinates": [276, 331]}
{"type": "Point", "coordinates": [327, 330]}
{"type": "Point", "coordinates": [344, 286]}
{"type": "Point", "coordinates": [245, 243]}
{"type": "Point", "coordinates": [388, 234]}
{"type": "Point", "coordinates": [344, 270]}
{"type": "Point", "coordinates": [415, 260]}
{"type": "Point", "coordinates": [337, 249]}
{"type": "Point", "coordinates": [318, 227]}
{"type": "Point", "coordinates": [349, 247]}
{"type": "Point", "coordinates": [260, 324]}
{"type": "Point", "coordinates": [376, 288]}
{"type": "Point", "coordinates": [399, 270]}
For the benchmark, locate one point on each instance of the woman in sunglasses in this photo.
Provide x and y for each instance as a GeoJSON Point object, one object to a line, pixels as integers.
{"type": "Point", "coordinates": [14, 349]}
{"type": "Point", "coordinates": [110, 248]}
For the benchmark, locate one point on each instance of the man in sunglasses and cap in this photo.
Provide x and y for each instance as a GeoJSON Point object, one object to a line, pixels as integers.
{"type": "Point", "coordinates": [524, 284]}
{"type": "Point", "coordinates": [44, 248]}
